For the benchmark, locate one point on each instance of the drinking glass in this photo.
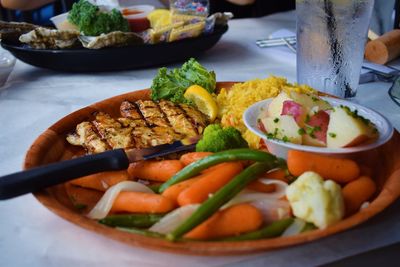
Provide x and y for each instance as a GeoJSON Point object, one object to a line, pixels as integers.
{"type": "Point", "coordinates": [331, 36]}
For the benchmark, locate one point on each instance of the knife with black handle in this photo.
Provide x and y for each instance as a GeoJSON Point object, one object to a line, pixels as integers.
{"type": "Point", "coordinates": [34, 179]}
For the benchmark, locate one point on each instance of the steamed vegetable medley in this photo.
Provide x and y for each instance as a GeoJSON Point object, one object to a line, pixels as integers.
{"type": "Point", "coordinates": [225, 190]}
{"type": "Point", "coordinates": [237, 194]}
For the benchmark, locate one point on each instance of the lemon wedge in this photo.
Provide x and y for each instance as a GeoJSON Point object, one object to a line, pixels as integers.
{"type": "Point", "coordinates": [159, 18]}
{"type": "Point", "coordinates": [203, 100]}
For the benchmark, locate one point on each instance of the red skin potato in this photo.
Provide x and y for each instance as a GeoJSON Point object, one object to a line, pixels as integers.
{"type": "Point", "coordinates": [294, 109]}
{"type": "Point", "coordinates": [320, 119]}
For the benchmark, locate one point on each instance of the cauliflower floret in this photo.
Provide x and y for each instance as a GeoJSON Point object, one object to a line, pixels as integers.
{"type": "Point", "coordinates": [315, 200]}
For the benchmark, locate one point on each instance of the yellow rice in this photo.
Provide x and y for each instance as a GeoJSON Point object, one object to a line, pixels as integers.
{"type": "Point", "coordinates": [232, 103]}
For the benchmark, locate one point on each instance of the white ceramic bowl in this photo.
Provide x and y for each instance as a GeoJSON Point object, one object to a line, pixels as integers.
{"type": "Point", "coordinates": [280, 148]}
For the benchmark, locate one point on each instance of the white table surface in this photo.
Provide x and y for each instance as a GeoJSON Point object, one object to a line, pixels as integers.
{"type": "Point", "coordinates": [34, 98]}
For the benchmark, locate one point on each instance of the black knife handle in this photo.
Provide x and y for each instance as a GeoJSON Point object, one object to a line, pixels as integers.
{"type": "Point", "coordinates": [34, 179]}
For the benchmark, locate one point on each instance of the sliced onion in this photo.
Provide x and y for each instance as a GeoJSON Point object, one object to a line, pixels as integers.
{"type": "Point", "coordinates": [273, 209]}
{"type": "Point", "coordinates": [244, 197]}
{"type": "Point", "coordinates": [280, 187]}
{"type": "Point", "coordinates": [106, 202]}
{"type": "Point", "coordinates": [250, 195]}
{"type": "Point", "coordinates": [173, 219]}
{"type": "Point", "coordinates": [295, 228]}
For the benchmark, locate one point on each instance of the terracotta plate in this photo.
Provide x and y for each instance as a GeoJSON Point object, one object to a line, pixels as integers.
{"type": "Point", "coordinates": [51, 146]}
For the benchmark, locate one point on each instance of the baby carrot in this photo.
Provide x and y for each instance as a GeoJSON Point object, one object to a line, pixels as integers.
{"type": "Point", "coordinates": [274, 229]}
{"type": "Point", "coordinates": [222, 196]}
{"type": "Point", "coordinates": [138, 202]}
{"type": "Point", "coordinates": [220, 157]}
{"type": "Point", "coordinates": [277, 174]}
{"type": "Point", "coordinates": [101, 181]}
{"type": "Point", "coordinates": [191, 157]}
{"type": "Point", "coordinates": [210, 182]}
{"type": "Point", "coordinates": [260, 187]}
{"type": "Point", "coordinates": [173, 192]}
{"type": "Point", "coordinates": [336, 169]}
{"type": "Point", "coordinates": [232, 221]}
{"type": "Point", "coordinates": [154, 170]}
{"type": "Point", "coordinates": [357, 192]}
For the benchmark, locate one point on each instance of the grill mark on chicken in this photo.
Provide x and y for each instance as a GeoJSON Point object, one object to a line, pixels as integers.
{"type": "Point", "coordinates": [169, 108]}
{"type": "Point", "coordinates": [131, 116]}
{"type": "Point", "coordinates": [178, 119]}
{"type": "Point", "coordinates": [196, 117]}
{"type": "Point", "coordinates": [113, 132]}
{"type": "Point", "coordinates": [87, 137]}
{"type": "Point", "coordinates": [152, 113]}
{"type": "Point", "coordinates": [143, 135]}
{"type": "Point", "coordinates": [164, 135]}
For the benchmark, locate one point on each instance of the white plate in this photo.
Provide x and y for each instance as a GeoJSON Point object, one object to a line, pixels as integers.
{"type": "Point", "coordinates": [280, 148]}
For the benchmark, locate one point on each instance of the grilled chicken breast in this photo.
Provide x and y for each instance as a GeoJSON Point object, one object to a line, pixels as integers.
{"type": "Point", "coordinates": [178, 119]}
{"type": "Point", "coordinates": [197, 118]}
{"type": "Point", "coordinates": [144, 123]}
{"type": "Point", "coordinates": [152, 113]}
{"type": "Point", "coordinates": [151, 126]}
{"type": "Point", "coordinates": [87, 137]}
{"type": "Point", "coordinates": [112, 131]}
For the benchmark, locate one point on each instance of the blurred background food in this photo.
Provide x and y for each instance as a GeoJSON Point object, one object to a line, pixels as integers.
{"type": "Point", "coordinates": [94, 26]}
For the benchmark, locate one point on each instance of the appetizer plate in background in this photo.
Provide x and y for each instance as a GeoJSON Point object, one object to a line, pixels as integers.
{"type": "Point", "coordinates": [116, 58]}
{"type": "Point", "coordinates": [51, 146]}
{"type": "Point", "coordinates": [280, 148]}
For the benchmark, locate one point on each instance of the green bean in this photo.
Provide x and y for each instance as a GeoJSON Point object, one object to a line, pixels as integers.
{"type": "Point", "coordinates": [222, 196]}
{"type": "Point", "coordinates": [131, 220]}
{"type": "Point", "coordinates": [308, 227]}
{"type": "Point", "coordinates": [154, 187]}
{"type": "Point", "coordinates": [272, 230]}
{"type": "Point", "coordinates": [214, 159]}
{"type": "Point", "coordinates": [141, 232]}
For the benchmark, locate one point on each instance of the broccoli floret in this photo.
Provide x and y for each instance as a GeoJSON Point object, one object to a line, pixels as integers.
{"type": "Point", "coordinates": [215, 138]}
{"type": "Point", "coordinates": [92, 21]}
